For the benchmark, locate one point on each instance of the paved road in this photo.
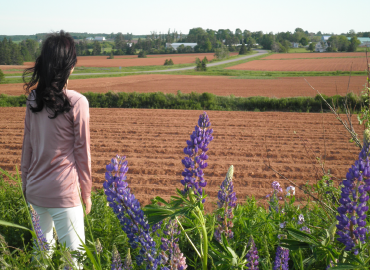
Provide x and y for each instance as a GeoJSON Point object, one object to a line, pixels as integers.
{"type": "Point", "coordinates": [259, 52]}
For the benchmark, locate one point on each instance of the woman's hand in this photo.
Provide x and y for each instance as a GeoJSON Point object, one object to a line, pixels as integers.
{"type": "Point", "coordinates": [88, 204]}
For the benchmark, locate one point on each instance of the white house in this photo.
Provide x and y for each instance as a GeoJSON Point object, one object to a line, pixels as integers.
{"type": "Point", "coordinates": [295, 45]}
{"type": "Point", "coordinates": [321, 46]}
{"type": "Point", "coordinates": [99, 38]}
{"type": "Point", "coordinates": [176, 45]}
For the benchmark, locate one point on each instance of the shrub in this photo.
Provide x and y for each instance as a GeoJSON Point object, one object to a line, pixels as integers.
{"type": "Point", "coordinates": [168, 62]}
{"type": "Point", "coordinates": [142, 54]}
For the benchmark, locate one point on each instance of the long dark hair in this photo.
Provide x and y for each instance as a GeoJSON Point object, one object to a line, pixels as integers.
{"type": "Point", "coordinates": [50, 74]}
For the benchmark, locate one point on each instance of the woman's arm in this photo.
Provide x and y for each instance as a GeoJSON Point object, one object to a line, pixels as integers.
{"type": "Point", "coordinates": [82, 147]}
{"type": "Point", "coordinates": [26, 151]}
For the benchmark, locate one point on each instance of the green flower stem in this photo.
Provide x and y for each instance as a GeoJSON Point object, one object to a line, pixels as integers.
{"type": "Point", "coordinates": [187, 237]}
{"type": "Point", "coordinates": [203, 233]}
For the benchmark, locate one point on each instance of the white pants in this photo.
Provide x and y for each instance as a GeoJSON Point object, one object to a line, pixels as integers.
{"type": "Point", "coordinates": [61, 219]}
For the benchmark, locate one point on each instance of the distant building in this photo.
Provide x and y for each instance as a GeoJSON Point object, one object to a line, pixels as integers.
{"type": "Point", "coordinates": [325, 38]}
{"type": "Point", "coordinates": [294, 45]}
{"type": "Point", "coordinates": [89, 38]}
{"type": "Point", "coordinates": [99, 38]}
{"type": "Point", "coordinates": [365, 41]}
{"type": "Point", "coordinates": [321, 46]}
{"type": "Point", "coordinates": [176, 45]}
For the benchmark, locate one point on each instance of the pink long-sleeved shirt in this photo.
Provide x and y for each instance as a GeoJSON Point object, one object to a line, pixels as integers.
{"type": "Point", "coordinates": [56, 155]}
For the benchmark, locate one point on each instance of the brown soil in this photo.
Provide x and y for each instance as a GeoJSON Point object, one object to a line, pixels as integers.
{"type": "Point", "coordinates": [314, 55]}
{"type": "Point", "coordinates": [223, 86]}
{"type": "Point", "coordinates": [128, 60]}
{"type": "Point", "coordinates": [153, 141]}
{"type": "Point", "coordinates": [329, 64]}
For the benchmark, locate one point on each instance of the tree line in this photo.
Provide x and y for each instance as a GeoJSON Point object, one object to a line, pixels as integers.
{"type": "Point", "coordinates": [12, 53]}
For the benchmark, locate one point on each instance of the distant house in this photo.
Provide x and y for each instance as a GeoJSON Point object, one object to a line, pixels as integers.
{"type": "Point", "coordinates": [176, 45]}
{"type": "Point", "coordinates": [325, 38]}
{"type": "Point", "coordinates": [294, 45]}
{"type": "Point", "coordinates": [365, 41]}
{"type": "Point", "coordinates": [321, 46]}
{"type": "Point", "coordinates": [89, 38]}
{"type": "Point", "coordinates": [99, 38]}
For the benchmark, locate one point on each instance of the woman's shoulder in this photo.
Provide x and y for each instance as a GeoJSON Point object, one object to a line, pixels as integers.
{"type": "Point", "coordinates": [75, 97]}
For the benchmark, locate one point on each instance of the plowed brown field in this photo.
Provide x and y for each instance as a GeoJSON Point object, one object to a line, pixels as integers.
{"type": "Point", "coordinates": [153, 141]}
{"type": "Point", "coordinates": [128, 60]}
{"type": "Point", "coordinates": [223, 86]}
{"type": "Point", "coordinates": [314, 55]}
{"type": "Point", "coordinates": [329, 64]}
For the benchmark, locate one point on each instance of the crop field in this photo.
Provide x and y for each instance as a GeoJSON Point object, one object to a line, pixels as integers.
{"type": "Point", "coordinates": [153, 141]}
{"type": "Point", "coordinates": [218, 85]}
{"type": "Point", "coordinates": [315, 55]}
{"type": "Point", "coordinates": [329, 64]}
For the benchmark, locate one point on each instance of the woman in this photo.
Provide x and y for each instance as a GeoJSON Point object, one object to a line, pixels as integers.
{"type": "Point", "coordinates": [56, 159]}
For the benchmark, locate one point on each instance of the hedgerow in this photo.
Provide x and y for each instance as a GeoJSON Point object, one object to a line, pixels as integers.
{"type": "Point", "coordinates": [206, 101]}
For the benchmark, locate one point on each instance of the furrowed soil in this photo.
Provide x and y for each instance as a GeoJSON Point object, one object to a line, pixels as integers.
{"type": "Point", "coordinates": [128, 60]}
{"type": "Point", "coordinates": [153, 142]}
{"type": "Point", "coordinates": [327, 64]}
{"type": "Point", "coordinates": [315, 55]}
{"type": "Point", "coordinates": [222, 86]}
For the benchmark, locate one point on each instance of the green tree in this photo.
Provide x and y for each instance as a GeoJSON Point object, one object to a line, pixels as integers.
{"type": "Point", "coordinates": [142, 54]}
{"type": "Point", "coordinates": [311, 47]}
{"type": "Point", "coordinates": [354, 43]}
{"type": "Point", "coordinates": [96, 48]}
{"type": "Point", "coordinates": [266, 41]}
{"type": "Point", "coordinates": [243, 49]}
{"type": "Point", "coordinates": [170, 62]}
{"type": "Point", "coordinates": [304, 41]}
{"type": "Point", "coordinates": [201, 65]}
{"type": "Point", "coordinates": [119, 41]}
{"type": "Point", "coordinates": [222, 52]}
{"type": "Point", "coordinates": [111, 56]}
{"type": "Point", "coordinates": [1, 76]}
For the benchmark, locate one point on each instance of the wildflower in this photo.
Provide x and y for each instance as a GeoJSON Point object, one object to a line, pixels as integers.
{"type": "Point", "coordinates": [274, 203]}
{"type": "Point", "coordinates": [305, 229]}
{"type": "Point", "coordinates": [194, 163]}
{"type": "Point", "coordinates": [41, 240]}
{"type": "Point", "coordinates": [98, 246]}
{"type": "Point", "coordinates": [289, 190]}
{"type": "Point", "coordinates": [127, 264]}
{"type": "Point", "coordinates": [116, 260]}
{"type": "Point", "coordinates": [176, 259]}
{"type": "Point", "coordinates": [281, 259]}
{"type": "Point", "coordinates": [252, 255]}
{"type": "Point", "coordinates": [276, 186]}
{"type": "Point", "coordinates": [354, 197]}
{"type": "Point", "coordinates": [282, 225]}
{"type": "Point", "coordinates": [67, 260]}
{"type": "Point", "coordinates": [226, 202]}
{"type": "Point", "coordinates": [4, 245]}
{"type": "Point", "coordinates": [128, 211]}
{"type": "Point", "coordinates": [300, 219]}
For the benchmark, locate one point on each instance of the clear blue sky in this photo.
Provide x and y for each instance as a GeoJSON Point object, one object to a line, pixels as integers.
{"type": "Point", "coordinates": [141, 17]}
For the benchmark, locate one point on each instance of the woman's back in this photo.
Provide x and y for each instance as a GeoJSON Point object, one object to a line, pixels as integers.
{"type": "Point", "coordinates": [60, 154]}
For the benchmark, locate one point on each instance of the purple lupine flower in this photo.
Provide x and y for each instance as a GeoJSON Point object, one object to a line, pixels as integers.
{"type": "Point", "coordinates": [98, 246]}
{"type": "Point", "coordinates": [41, 242]}
{"type": "Point", "coordinates": [281, 259]}
{"type": "Point", "coordinates": [252, 255]}
{"type": "Point", "coordinates": [274, 202]}
{"type": "Point", "coordinates": [128, 211]}
{"type": "Point", "coordinates": [354, 197]}
{"type": "Point", "coordinates": [226, 202]}
{"type": "Point", "coordinates": [194, 163]}
{"type": "Point", "coordinates": [305, 229]}
{"type": "Point", "coordinates": [175, 260]}
{"type": "Point", "coordinates": [116, 260]}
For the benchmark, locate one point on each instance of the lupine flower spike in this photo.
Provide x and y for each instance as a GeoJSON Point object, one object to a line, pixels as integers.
{"type": "Point", "coordinates": [175, 260]}
{"type": "Point", "coordinates": [116, 260]}
{"type": "Point", "coordinates": [281, 259]}
{"type": "Point", "coordinates": [41, 240]}
{"type": "Point", "coordinates": [274, 202]}
{"type": "Point", "coordinates": [195, 163]}
{"type": "Point", "coordinates": [128, 211]}
{"type": "Point", "coordinates": [227, 202]}
{"type": "Point", "coordinates": [252, 255]}
{"type": "Point", "coordinates": [127, 264]}
{"type": "Point", "coordinates": [354, 197]}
